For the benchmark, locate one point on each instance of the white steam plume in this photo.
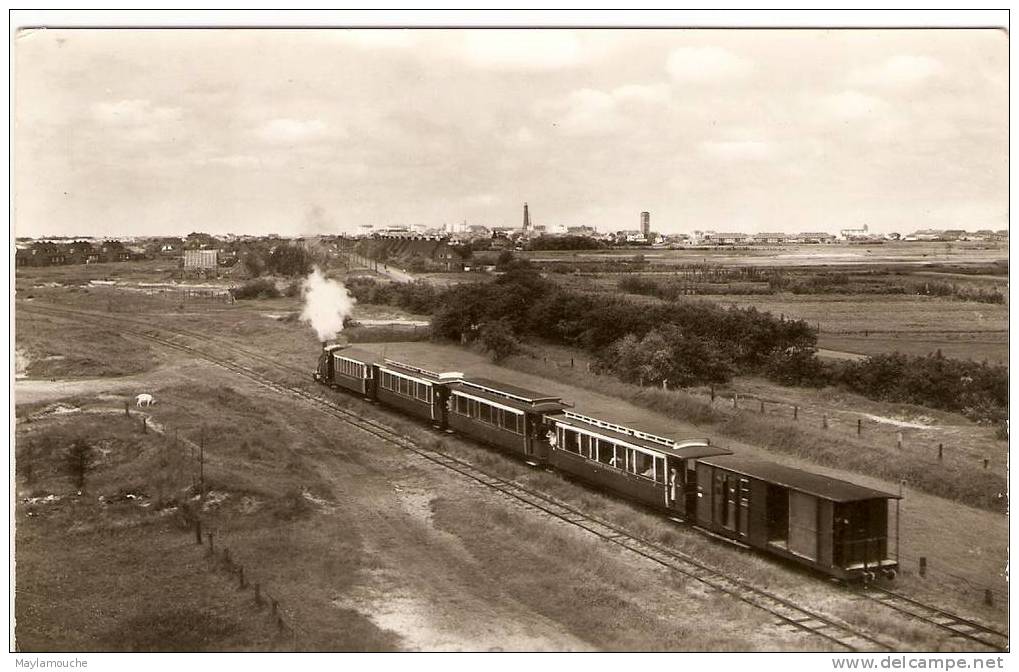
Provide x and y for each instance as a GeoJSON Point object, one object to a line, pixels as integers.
{"type": "Point", "coordinates": [326, 305]}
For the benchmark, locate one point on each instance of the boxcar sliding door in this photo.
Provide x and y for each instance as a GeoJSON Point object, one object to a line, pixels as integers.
{"type": "Point", "coordinates": [803, 524]}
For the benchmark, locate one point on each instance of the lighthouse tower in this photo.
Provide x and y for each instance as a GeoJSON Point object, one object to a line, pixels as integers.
{"type": "Point", "coordinates": [527, 219]}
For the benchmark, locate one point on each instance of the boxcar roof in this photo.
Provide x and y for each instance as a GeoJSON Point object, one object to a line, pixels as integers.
{"type": "Point", "coordinates": [818, 485]}
{"type": "Point", "coordinates": [686, 450]}
{"type": "Point", "coordinates": [498, 387]}
{"type": "Point", "coordinates": [540, 405]}
{"type": "Point", "coordinates": [357, 355]}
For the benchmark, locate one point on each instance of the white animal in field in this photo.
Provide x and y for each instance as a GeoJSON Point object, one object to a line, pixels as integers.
{"type": "Point", "coordinates": [144, 400]}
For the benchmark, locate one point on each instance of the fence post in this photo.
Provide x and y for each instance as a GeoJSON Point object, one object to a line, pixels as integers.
{"type": "Point", "coordinates": [735, 400]}
{"type": "Point", "coordinates": [712, 394]}
{"type": "Point", "coordinates": [198, 531]}
{"type": "Point", "coordinates": [145, 425]}
{"type": "Point", "coordinates": [127, 408]}
{"type": "Point", "coordinates": [665, 385]}
{"type": "Point", "coordinates": [571, 362]}
{"type": "Point", "coordinates": [240, 576]}
{"type": "Point", "coordinates": [212, 547]}
{"type": "Point", "coordinates": [859, 426]}
{"type": "Point", "coordinates": [923, 566]}
{"type": "Point", "coordinates": [986, 462]}
{"type": "Point", "coordinates": [796, 412]}
{"type": "Point", "coordinates": [898, 440]}
{"type": "Point", "coordinates": [762, 406]}
{"type": "Point", "coordinates": [824, 420]}
{"type": "Point", "coordinates": [941, 452]}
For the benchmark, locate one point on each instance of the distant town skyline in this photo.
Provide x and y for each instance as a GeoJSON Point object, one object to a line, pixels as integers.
{"type": "Point", "coordinates": [152, 132]}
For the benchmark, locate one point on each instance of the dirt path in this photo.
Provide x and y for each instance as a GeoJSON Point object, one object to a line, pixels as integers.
{"type": "Point", "coordinates": [33, 390]}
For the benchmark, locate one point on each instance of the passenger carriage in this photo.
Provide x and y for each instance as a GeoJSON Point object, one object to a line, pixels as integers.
{"type": "Point", "coordinates": [502, 415]}
{"type": "Point", "coordinates": [349, 368]}
{"type": "Point", "coordinates": [834, 526]}
{"type": "Point", "coordinates": [645, 467]}
{"type": "Point", "coordinates": [413, 390]}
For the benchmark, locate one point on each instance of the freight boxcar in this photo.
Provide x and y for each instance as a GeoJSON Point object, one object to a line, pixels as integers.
{"type": "Point", "coordinates": [644, 467]}
{"type": "Point", "coordinates": [349, 368]}
{"type": "Point", "coordinates": [831, 525]}
{"type": "Point", "coordinates": [413, 390]}
{"type": "Point", "coordinates": [502, 415]}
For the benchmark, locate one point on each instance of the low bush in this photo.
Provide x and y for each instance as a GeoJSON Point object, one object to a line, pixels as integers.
{"type": "Point", "coordinates": [256, 289]}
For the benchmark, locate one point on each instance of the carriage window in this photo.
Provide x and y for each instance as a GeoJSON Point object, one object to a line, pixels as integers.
{"type": "Point", "coordinates": [660, 469]}
{"type": "Point", "coordinates": [643, 464]}
{"type": "Point", "coordinates": [422, 392]}
{"type": "Point", "coordinates": [485, 412]}
{"type": "Point", "coordinates": [511, 421]}
{"type": "Point", "coordinates": [585, 445]}
{"type": "Point", "coordinates": [572, 441]}
{"type": "Point", "coordinates": [605, 452]}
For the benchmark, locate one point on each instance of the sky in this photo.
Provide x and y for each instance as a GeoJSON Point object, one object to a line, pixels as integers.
{"type": "Point", "coordinates": [307, 132]}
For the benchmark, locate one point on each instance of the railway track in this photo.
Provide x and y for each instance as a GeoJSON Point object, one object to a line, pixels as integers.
{"type": "Point", "coordinates": [955, 625]}
{"type": "Point", "coordinates": [787, 612]}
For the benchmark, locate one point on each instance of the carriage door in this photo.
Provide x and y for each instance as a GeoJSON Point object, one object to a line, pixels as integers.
{"type": "Point", "coordinates": [702, 494]}
{"type": "Point", "coordinates": [674, 490]}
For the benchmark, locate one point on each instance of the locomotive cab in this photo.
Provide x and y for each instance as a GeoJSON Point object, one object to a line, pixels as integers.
{"type": "Point", "coordinates": [324, 371]}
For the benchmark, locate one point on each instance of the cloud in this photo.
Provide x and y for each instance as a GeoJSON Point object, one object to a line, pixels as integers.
{"type": "Point", "coordinates": [737, 150]}
{"type": "Point", "coordinates": [900, 71]}
{"type": "Point", "coordinates": [134, 112]}
{"type": "Point", "coordinates": [706, 64]}
{"type": "Point", "coordinates": [287, 131]}
{"type": "Point", "coordinates": [848, 105]}
{"type": "Point", "coordinates": [593, 111]}
{"type": "Point", "coordinates": [522, 49]}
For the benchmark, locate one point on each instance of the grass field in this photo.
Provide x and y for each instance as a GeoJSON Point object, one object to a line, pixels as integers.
{"type": "Point", "coordinates": [336, 524]}
{"type": "Point", "coordinates": [906, 254]}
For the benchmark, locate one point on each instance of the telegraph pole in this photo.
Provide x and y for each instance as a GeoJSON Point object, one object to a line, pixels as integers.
{"type": "Point", "coordinates": [201, 465]}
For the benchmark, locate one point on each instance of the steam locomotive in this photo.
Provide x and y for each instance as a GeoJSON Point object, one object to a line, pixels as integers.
{"type": "Point", "coordinates": [828, 525]}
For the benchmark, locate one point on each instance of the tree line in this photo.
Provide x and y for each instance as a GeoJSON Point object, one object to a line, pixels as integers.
{"type": "Point", "coordinates": [691, 342]}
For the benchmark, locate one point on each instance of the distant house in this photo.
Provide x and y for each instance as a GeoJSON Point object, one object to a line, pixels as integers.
{"type": "Point", "coordinates": [114, 250]}
{"type": "Point", "coordinates": [630, 236]}
{"type": "Point", "coordinates": [41, 254]}
{"type": "Point", "coordinates": [769, 238]}
{"type": "Point", "coordinates": [581, 231]}
{"type": "Point", "coordinates": [815, 237]}
{"type": "Point", "coordinates": [478, 231]}
{"type": "Point", "coordinates": [730, 238]}
{"type": "Point", "coordinates": [82, 252]}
